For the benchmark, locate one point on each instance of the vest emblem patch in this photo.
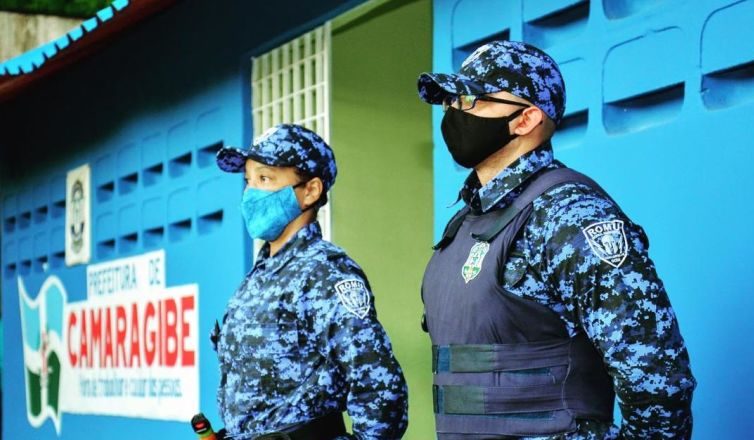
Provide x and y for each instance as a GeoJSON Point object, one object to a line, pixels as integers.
{"type": "Point", "coordinates": [473, 264]}
{"type": "Point", "coordinates": [354, 296]}
{"type": "Point", "coordinates": [608, 241]}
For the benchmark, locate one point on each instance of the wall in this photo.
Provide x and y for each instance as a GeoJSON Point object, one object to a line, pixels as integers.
{"type": "Point", "coordinates": [22, 32]}
{"type": "Point", "coordinates": [147, 114]}
{"type": "Point", "coordinates": [660, 98]}
{"type": "Point", "coordinates": [382, 202]}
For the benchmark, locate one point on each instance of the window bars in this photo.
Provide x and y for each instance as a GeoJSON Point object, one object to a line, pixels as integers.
{"type": "Point", "coordinates": [291, 84]}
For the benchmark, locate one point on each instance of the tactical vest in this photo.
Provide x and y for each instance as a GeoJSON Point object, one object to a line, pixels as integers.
{"type": "Point", "coordinates": [504, 365]}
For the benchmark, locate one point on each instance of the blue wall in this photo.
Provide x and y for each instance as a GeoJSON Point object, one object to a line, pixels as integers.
{"type": "Point", "coordinates": [659, 109]}
{"type": "Point", "coordinates": [147, 114]}
{"type": "Point", "coordinates": [660, 96]}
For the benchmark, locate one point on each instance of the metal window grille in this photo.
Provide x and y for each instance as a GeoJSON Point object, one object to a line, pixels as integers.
{"type": "Point", "coordinates": [291, 84]}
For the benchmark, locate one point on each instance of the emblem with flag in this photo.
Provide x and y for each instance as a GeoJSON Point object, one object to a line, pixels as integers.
{"type": "Point", "coordinates": [473, 264]}
{"type": "Point", "coordinates": [42, 329]}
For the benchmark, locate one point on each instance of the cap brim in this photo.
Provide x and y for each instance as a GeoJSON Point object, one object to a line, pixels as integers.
{"type": "Point", "coordinates": [232, 159]}
{"type": "Point", "coordinates": [434, 87]}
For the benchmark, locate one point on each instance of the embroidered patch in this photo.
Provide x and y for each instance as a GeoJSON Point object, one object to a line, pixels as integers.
{"type": "Point", "coordinates": [473, 264]}
{"type": "Point", "coordinates": [354, 296]}
{"type": "Point", "coordinates": [608, 241]}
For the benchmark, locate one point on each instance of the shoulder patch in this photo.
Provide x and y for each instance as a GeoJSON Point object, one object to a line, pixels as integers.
{"type": "Point", "coordinates": [608, 241]}
{"type": "Point", "coordinates": [354, 296]}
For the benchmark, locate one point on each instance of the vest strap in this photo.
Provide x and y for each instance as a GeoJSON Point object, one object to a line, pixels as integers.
{"type": "Point", "coordinates": [549, 424]}
{"type": "Point", "coordinates": [478, 400]}
{"type": "Point", "coordinates": [452, 228]}
{"type": "Point", "coordinates": [481, 358]}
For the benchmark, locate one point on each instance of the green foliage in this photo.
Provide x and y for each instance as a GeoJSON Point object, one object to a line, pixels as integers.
{"type": "Point", "coordinates": [65, 8]}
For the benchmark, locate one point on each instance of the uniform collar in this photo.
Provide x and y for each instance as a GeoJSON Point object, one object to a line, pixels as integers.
{"type": "Point", "coordinates": [296, 246]}
{"type": "Point", "coordinates": [483, 198]}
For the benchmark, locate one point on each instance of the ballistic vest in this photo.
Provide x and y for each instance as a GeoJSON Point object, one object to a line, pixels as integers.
{"type": "Point", "coordinates": [504, 365]}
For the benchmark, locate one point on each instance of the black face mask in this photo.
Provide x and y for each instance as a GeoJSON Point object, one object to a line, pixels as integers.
{"type": "Point", "coordinates": [471, 139]}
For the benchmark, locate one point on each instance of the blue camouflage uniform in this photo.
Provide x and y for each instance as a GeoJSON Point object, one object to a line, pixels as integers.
{"type": "Point", "coordinates": [300, 338]}
{"type": "Point", "coordinates": [621, 305]}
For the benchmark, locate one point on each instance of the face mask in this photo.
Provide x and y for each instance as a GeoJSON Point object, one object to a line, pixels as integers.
{"type": "Point", "coordinates": [267, 213]}
{"type": "Point", "coordinates": [471, 139]}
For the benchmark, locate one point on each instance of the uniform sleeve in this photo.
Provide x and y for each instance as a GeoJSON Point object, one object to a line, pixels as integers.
{"type": "Point", "coordinates": [597, 260]}
{"type": "Point", "coordinates": [354, 340]}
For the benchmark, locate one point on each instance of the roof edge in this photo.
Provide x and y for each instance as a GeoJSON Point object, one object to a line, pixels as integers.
{"type": "Point", "coordinates": [20, 73]}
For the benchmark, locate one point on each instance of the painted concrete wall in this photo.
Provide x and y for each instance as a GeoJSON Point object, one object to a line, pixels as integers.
{"type": "Point", "coordinates": [382, 203]}
{"type": "Point", "coordinates": [22, 32]}
{"type": "Point", "coordinates": [659, 110]}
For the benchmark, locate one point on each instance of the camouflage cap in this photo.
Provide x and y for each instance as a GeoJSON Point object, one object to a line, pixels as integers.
{"type": "Point", "coordinates": [285, 145]}
{"type": "Point", "coordinates": [518, 68]}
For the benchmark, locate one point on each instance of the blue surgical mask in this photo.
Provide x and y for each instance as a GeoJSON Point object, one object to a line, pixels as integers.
{"type": "Point", "coordinates": [267, 213]}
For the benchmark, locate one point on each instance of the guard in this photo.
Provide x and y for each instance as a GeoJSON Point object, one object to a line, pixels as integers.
{"type": "Point", "coordinates": [540, 299]}
{"type": "Point", "coordinates": [300, 341]}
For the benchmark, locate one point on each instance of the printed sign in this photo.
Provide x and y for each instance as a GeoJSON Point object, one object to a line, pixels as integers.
{"type": "Point", "coordinates": [128, 354]}
{"type": "Point", "coordinates": [78, 224]}
{"type": "Point", "coordinates": [142, 273]}
{"type": "Point", "coordinates": [43, 339]}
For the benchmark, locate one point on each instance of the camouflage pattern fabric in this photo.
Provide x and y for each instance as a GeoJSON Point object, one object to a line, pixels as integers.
{"type": "Point", "coordinates": [285, 145]}
{"type": "Point", "coordinates": [583, 258]}
{"type": "Point", "coordinates": [301, 339]}
{"type": "Point", "coordinates": [518, 68]}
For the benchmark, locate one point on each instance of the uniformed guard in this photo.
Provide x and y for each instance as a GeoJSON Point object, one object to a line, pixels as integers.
{"type": "Point", "coordinates": [540, 298]}
{"type": "Point", "coordinates": [300, 341]}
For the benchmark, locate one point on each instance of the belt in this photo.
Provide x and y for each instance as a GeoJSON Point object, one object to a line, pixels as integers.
{"type": "Point", "coordinates": [322, 428]}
